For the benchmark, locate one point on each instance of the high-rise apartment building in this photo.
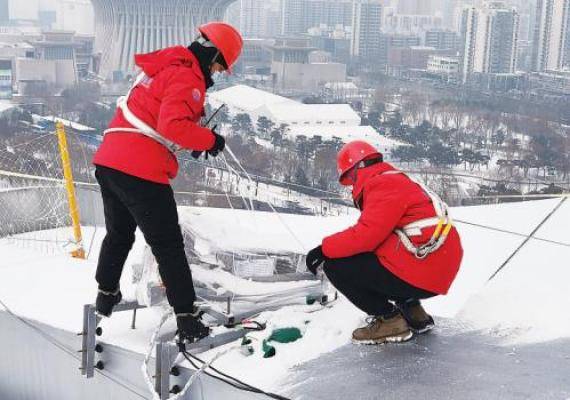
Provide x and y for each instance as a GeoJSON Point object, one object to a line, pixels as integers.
{"type": "Point", "coordinates": [259, 18]}
{"type": "Point", "coordinates": [292, 17]}
{"type": "Point", "coordinates": [551, 43]}
{"type": "Point", "coordinates": [297, 16]}
{"type": "Point", "coordinates": [4, 12]}
{"type": "Point", "coordinates": [366, 28]}
{"type": "Point", "coordinates": [442, 39]}
{"type": "Point", "coordinates": [489, 36]}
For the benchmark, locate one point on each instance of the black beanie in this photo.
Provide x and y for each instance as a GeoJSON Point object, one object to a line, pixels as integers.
{"type": "Point", "coordinates": [205, 56]}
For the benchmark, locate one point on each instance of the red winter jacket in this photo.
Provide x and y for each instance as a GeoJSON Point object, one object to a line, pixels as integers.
{"type": "Point", "coordinates": [392, 201]}
{"type": "Point", "coordinates": [171, 101]}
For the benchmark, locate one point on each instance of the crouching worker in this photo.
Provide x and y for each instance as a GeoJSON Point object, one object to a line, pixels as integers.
{"type": "Point", "coordinates": [402, 249]}
{"type": "Point", "coordinates": [159, 116]}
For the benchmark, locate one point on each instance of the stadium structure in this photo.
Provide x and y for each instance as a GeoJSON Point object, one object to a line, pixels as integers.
{"type": "Point", "coordinates": [126, 27]}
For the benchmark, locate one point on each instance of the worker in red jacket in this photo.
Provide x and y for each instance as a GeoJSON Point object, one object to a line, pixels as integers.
{"type": "Point", "coordinates": [402, 249]}
{"type": "Point", "coordinates": [158, 117]}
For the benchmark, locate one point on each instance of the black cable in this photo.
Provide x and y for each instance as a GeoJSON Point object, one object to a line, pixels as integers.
{"type": "Point", "coordinates": [490, 228]}
{"type": "Point", "coordinates": [550, 214]}
{"type": "Point", "coordinates": [244, 386]}
{"type": "Point", "coordinates": [237, 384]}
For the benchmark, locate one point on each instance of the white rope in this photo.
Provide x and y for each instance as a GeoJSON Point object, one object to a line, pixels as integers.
{"type": "Point", "coordinates": [279, 216]}
{"type": "Point", "coordinates": [144, 367]}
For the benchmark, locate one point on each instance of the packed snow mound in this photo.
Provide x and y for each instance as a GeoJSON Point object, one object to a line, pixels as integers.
{"type": "Point", "coordinates": [250, 231]}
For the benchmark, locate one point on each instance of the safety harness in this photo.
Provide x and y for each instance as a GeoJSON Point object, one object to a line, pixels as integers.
{"type": "Point", "coordinates": [442, 221]}
{"type": "Point", "coordinates": [139, 125]}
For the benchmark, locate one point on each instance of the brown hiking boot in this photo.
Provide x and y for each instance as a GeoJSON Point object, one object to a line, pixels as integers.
{"type": "Point", "coordinates": [418, 319]}
{"type": "Point", "coordinates": [382, 330]}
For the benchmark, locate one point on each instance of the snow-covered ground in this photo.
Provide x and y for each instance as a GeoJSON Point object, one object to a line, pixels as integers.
{"type": "Point", "coordinates": [526, 302]}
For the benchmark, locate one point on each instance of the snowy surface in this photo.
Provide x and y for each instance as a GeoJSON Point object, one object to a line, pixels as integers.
{"type": "Point", "coordinates": [527, 302]}
{"type": "Point", "coordinates": [242, 98]}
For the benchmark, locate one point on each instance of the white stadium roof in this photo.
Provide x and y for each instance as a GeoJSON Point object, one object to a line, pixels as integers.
{"type": "Point", "coordinates": [246, 98]}
{"type": "Point", "coordinates": [313, 114]}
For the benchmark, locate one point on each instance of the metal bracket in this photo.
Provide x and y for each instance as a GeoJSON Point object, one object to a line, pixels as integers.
{"type": "Point", "coordinates": [166, 353]}
{"type": "Point", "coordinates": [90, 332]}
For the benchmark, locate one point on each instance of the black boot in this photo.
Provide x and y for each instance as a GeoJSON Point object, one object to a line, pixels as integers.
{"type": "Point", "coordinates": [106, 301]}
{"type": "Point", "coordinates": [418, 319]}
{"type": "Point", "coordinates": [190, 328]}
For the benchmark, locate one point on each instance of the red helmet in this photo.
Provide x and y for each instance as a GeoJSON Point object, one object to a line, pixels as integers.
{"type": "Point", "coordinates": [350, 155]}
{"type": "Point", "coordinates": [226, 38]}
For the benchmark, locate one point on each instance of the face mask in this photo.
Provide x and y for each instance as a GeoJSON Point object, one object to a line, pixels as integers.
{"type": "Point", "coordinates": [217, 76]}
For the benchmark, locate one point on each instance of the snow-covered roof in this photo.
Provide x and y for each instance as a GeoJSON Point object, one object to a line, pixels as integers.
{"type": "Point", "coordinates": [70, 124]}
{"type": "Point", "coordinates": [347, 134]}
{"type": "Point", "coordinates": [246, 98]}
{"type": "Point", "coordinates": [313, 114]}
{"type": "Point", "coordinates": [341, 85]}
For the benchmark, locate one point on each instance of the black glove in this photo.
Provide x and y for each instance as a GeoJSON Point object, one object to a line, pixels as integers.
{"type": "Point", "coordinates": [315, 258]}
{"type": "Point", "coordinates": [219, 145]}
{"type": "Point", "coordinates": [190, 328]}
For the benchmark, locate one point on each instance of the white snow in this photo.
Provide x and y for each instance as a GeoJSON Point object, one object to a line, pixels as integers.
{"type": "Point", "coordinates": [312, 114]}
{"type": "Point", "coordinates": [527, 302]}
{"type": "Point", "coordinates": [245, 99]}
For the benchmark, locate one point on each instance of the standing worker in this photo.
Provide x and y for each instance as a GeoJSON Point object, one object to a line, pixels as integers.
{"type": "Point", "coordinates": [402, 249]}
{"type": "Point", "coordinates": [136, 161]}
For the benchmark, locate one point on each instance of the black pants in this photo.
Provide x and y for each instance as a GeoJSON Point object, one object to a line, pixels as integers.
{"type": "Point", "coordinates": [130, 202]}
{"type": "Point", "coordinates": [369, 285]}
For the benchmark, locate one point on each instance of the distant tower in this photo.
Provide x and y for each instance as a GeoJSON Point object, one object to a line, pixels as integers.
{"type": "Point", "coordinates": [366, 25]}
{"type": "Point", "coordinates": [551, 44]}
{"type": "Point", "coordinates": [126, 27]}
{"type": "Point", "coordinates": [489, 39]}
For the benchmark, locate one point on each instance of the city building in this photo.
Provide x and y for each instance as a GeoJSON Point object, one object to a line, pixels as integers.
{"type": "Point", "coordinates": [292, 69]}
{"type": "Point", "coordinates": [255, 57]}
{"type": "Point", "coordinates": [334, 40]}
{"type": "Point", "coordinates": [242, 99]}
{"type": "Point", "coordinates": [442, 39]}
{"type": "Point", "coordinates": [366, 28]}
{"type": "Point", "coordinates": [297, 16]}
{"type": "Point", "coordinates": [443, 65]}
{"type": "Point", "coordinates": [413, 57]}
{"type": "Point", "coordinates": [75, 15]}
{"type": "Point", "coordinates": [259, 18]}
{"type": "Point", "coordinates": [4, 12]}
{"type": "Point", "coordinates": [299, 114]}
{"type": "Point", "coordinates": [282, 110]}
{"type": "Point", "coordinates": [343, 92]}
{"type": "Point", "coordinates": [411, 23]}
{"type": "Point", "coordinates": [292, 17]}
{"type": "Point", "coordinates": [124, 28]}
{"type": "Point", "coordinates": [23, 12]}
{"type": "Point", "coordinates": [329, 121]}
{"type": "Point", "coordinates": [328, 12]}
{"type": "Point", "coordinates": [489, 37]}
{"type": "Point", "coordinates": [551, 44]}
{"type": "Point", "coordinates": [553, 83]}
{"type": "Point", "coordinates": [54, 61]}
{"type": "Point", "coordinates": [390, 41]}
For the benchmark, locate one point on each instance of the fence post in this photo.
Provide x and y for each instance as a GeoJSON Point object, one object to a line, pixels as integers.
{"type": "Point", "coordinates": [78, 252]}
